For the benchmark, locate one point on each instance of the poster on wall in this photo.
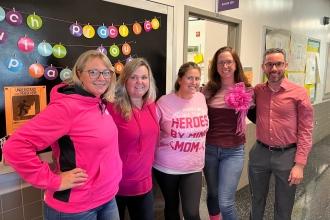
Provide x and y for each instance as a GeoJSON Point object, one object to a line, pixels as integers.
{"type": "Point", "coordinates": [22, 103]}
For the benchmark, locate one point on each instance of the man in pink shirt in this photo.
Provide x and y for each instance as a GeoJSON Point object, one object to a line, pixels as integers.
{"type": "Point", "coordinates": [284, 124]}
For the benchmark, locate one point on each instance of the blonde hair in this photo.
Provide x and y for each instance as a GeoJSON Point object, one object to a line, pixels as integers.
{"type": "Point", "coordinates": [80, 65]}
{"type": "Point", "coordinates": [122, 100]}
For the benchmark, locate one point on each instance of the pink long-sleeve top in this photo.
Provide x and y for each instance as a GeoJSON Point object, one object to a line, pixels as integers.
{"type": "Point", "coordinates": [137, 141]}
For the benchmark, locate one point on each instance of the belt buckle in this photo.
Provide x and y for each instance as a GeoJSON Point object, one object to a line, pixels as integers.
{"type": "Point", "coordinates": [271, 147]}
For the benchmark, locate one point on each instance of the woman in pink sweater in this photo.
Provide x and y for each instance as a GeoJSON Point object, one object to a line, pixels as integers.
{"type": "Point", "coordinates": [134, 112]}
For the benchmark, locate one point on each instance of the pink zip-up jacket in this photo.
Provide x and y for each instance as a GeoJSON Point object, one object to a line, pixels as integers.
{"type": "Point", "coordinates": [138, 138]}
{"type": "Point", "coordinates": [82, 134]}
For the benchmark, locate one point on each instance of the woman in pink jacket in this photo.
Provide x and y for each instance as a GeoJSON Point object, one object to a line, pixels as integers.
{"type": "Point", "coordinates": [134, 112]}
{"type": "Point", "coordinates": [84, 140]}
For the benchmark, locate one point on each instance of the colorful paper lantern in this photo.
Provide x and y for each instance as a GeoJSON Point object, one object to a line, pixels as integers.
{"type": "Point", "coordinates": [126, 49]}
{"type": "Point", "coordinates": [76, 29]}
{"type": "Point", "coordinates": [147, 26]}
{"type": "Point", "coordinates": [2, 14]}
{"type": "Point", "coordinates": [155, 23]}
{"type": "Point", "coordinates": [59, 51]}
{"type": "Point", "coordinates": [123, 30]}
{"type": "Point", "coordinates": [113, 31]}
{"type": "Point", "coordinates": [114, 50]}
{"type": "Point", "coordinates": [51, 73]}
{"type": "Point", "coordinates": [36, 70]}
{"type": "Point", "coordinates": [103, 32]}
{"type": "Point", "coordinates": [25, 44]}
{"type": "Point", "coordinates": [14, 17]}
{"type": "Point", "coordinates": [13, 64]}
{"type": "Point", "coordinates": [34, 22]}
{"type": "Point", "coordinates": [3, 36]}
{"type": "Point", "coordinates": [119, 67]}
{"type": "Point", "coordinates": [137, 29]}
{"type": "Point", "coordinates": [65, 74]}
{"type": "Point", "coordinates": [88, 31]}
{"type": "Point", "coordinates": [45, 49]}
{"type": "Point", "coordinates": [102, 50]}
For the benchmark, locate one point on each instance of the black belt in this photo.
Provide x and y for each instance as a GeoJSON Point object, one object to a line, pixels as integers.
{"type": "Point", "coordinates": [277, 148]}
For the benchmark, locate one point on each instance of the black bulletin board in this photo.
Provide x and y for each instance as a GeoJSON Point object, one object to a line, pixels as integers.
{"type": "Point", "coordinates": [150, 45]}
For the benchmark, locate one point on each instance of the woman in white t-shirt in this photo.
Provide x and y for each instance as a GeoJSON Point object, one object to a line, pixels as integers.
{"type": "Point", "coordinates": [179, 158]}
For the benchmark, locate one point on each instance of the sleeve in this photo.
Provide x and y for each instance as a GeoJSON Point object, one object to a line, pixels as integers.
{"type": "Point", "coordinates": [37, 134]}
{"type": "Point", "coordinates": [305, 128]}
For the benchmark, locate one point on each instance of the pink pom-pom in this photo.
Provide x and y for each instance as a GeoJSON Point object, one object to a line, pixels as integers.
{"type": "Point", "coordinates": [240, 99]}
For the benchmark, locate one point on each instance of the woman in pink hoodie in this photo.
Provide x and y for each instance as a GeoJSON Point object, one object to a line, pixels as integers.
{"type": "Point", "coordinates": [134, 112]}
{"type": "Point", "coordinates": [84, 140]}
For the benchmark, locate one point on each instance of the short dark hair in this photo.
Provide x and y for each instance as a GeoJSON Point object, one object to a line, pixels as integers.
{"type": "Point", "coordinates": [274, 50]}
{"type": "Point", "coordinates": [182, 71]}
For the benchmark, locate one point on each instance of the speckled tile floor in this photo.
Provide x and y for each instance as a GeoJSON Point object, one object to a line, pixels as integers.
{"type": "Point", "coordinates": [312, 197]}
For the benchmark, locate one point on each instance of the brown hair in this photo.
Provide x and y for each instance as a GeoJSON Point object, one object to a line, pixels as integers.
{"type": "Point", "coordinates": [274, 50]}
{"type": "Point", "coordinates": [214, 83]}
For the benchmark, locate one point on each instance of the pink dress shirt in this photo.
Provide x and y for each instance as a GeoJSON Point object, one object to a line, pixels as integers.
{"type": "Point", "coordinates": [285, 117]}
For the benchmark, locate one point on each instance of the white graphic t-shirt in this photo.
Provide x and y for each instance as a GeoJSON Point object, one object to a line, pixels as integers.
{"type": "Point", "coordinates": [183, 127]}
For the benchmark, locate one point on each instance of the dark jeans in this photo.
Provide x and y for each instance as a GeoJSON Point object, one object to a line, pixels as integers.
{"type": "Point", "coordinates": [223, 169]}
{"type": "Point", "coordinates": [107, 211]}
{"type": "Point", "coordinates": [186, 187]}
{"type": "Point", "coordinates": [262, 164]}
{"type": "Point", "coordinates": [139, 207]}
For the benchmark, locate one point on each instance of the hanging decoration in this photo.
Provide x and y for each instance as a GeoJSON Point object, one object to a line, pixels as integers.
{"type": "Point", "coordinates": [25, 44]}
{"type": "Point", "coordinates": [13, 64]}
{"type": "Point", "coordinates": [119, 67]}
{"type": "Point", "coordinates": [36, 70]}
{"type": "Point", "coordinates": [2, 14]}
{"type": "Point", "coordinates": [137, 29]}
{"type": "Point", "coordinates": [51, 73]}
{"type": "Point", "coordinates": [76, 29]}
{"type": "Point", "coordinates": [34, 22]}
{"type": "Point", "coordinates": [147, 26]}
{"type": "Point", "coordinates": [123, 30]}
{"type": "Point", "coordinates": [103, 32]}
{"type": "Point", "coordinates": [155, 23]}
{"type": "Point", "coordinates": [59, 51]}
{"type": "Point", "coordinates": [129, 59]}
{"type": "Point", "coordinates": [102, 49]}
{"type": "Point", "coordinates": [126, 49]}
{"type": "Point", "coordinates": [65, 74]}
{"type": "Point", "coordinates": [114, 50]}
{"type": "Point", "coordinates": [3, 36]}
{"type": "Point", "coordinates": [113, 31]}
{"type": "Point", "coordinates": [14, 17]}
{"type": "Point", "coordinates": [45, 49]}
{"type": "Point", "coordinates": [88, 31]}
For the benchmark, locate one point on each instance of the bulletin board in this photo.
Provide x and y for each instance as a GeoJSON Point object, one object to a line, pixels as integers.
{"type": "Point", "coordinates": [57, 17]}
{"type": "Point", "coordinates": [327, 75]}
{"type": "Point", "coordinates": [302, 56]}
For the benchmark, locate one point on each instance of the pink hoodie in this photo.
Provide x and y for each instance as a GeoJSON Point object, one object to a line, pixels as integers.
{"type": "Point", "coordinates": [82, 134]}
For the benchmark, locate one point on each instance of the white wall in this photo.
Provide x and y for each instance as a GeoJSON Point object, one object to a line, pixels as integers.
{"type": "Point", "coordinates": [298, 16]}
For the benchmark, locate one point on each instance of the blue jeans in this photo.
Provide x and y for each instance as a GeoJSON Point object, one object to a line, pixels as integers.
{"type": "Point", "coordinates": [223, 169]}
{"type": "Point", "coordinates": [107, 211]}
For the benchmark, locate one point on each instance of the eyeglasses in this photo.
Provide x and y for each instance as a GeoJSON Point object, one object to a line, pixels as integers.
{"type": "Point", "coordinates": [95, 74]}
{"type": "Point", "coordinates": [279, 65]}
{"type": "Point", "coordinates": [226, 62]}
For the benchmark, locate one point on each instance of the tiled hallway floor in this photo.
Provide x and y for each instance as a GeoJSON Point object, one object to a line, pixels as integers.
{"type": "Point", "coordinates": [313, 195]}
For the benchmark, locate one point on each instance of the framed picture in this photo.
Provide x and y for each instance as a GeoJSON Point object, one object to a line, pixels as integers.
{"type": "Point", "coordinates": [23, 103]}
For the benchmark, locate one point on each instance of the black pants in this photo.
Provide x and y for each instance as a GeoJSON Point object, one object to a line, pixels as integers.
{"type": "Point", "coordinates": [186, 187]}
{"type": "Point", "coordinates": [139, 207]}
{"type": "Point", "coordinates": [263, 163]}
